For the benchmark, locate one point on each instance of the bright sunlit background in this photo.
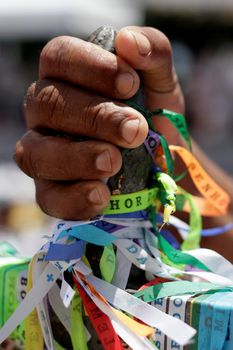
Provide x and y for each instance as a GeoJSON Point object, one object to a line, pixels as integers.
{"type": "Point", "coordinates": [201, 33]}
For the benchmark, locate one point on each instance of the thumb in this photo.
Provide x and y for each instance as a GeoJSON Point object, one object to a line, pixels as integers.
{"type": "Point", "coordinates": [149, 51]}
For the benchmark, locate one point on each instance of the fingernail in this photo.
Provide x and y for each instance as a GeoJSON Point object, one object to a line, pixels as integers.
{"type": "Point", "coordinates": [103, 161]}
{"type": "Point", "coordinates": [129, 130]}
{"type": "Point", "coordinates": [124, 83]}
{"type": "Point", "coordinates": [143, 44]}
{"type": "Point", "coordinates": [94, 196]}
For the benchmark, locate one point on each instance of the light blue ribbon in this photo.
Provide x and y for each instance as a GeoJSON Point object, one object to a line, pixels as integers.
{"type": "Point", "coordinates": [90, 234]}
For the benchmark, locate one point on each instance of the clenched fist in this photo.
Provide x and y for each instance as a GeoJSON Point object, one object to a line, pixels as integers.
{"type": "Point", "coordinates": [76, 122]}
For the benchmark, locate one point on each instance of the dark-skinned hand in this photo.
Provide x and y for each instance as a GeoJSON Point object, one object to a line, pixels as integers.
{"type": "Point", "coordinates": [77, 94]}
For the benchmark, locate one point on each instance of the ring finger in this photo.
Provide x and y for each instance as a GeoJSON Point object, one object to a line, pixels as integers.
{"type": "Point", "coordinates": [63, 159]}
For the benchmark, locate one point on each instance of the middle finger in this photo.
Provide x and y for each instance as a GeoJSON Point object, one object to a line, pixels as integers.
{"type": "Point", "coordinates": [69, 109]}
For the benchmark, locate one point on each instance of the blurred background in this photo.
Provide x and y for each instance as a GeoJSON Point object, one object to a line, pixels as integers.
{"type": "Point", "coordinates": [201, 33]}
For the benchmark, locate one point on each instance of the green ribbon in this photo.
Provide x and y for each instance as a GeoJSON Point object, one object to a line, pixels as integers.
{"type": "Point", "coordinates": [168, 156]}
{"type": "Point", "coordinates": [145, 112]}
{"type": "Point", "coordinates": [178, 120]}
{"type": "Point", "coordinates": [168, 289]}
{"type": "Point", "coordinates": [57, 345]}
{"type": "Point", "coordinates": [131, 202]}
{"type": "Point", "coordinates": [148, 115]}
{"type": "Point", "coordinates": [180, 201]}
{"type": "Point", "coordinates": [10, 270]}
{"type": "Point", "coordinates": [195, 309]}
{"type": "Point", "coordinates": [193, 238]}
{"type": "Point", "coordinates": [6, 249]}
{"type": "Point", "coordinates": [108, 263]}
{"type": "Point", "coordinates": [177, 256]}
{"type": "Point", "coordinates": [78, 335]}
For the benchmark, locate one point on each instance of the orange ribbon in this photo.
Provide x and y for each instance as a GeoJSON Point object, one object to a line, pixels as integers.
{"type": "Point", "coordinates": [216, 200]}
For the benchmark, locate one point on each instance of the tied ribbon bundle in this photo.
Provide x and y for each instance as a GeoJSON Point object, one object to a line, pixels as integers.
{"type": "Point", "coordinates": [83, 275]}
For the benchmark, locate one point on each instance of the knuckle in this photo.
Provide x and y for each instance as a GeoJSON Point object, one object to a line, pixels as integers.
{"type": "Point", "coordinates": [49, 104]}
{"type": "Point", "coordinates": [28, 99]}
{"type": "Point", "coordinates": [45, 103]}
{"type": "Point", "coordinates": [28, 102]}
{"type": "Point", "coordinates": [114, 113]}
{"type": "Point", "coordinates": [89, 115]}
{"type": "Point", "coordinates": [67, 105]}
{"type": "Point", "coordinates": [21, 157]}
{"type": "Point", "coordinates": [100, 117]}
{"type": "Point", "coordinates": [55, 56]}
{"type": "Point", "coordinates": [97, 112]}
{"type": "Point", "coordinates": [24, 156]}
{"type": "Point", "coordinates": [163, 47]}
{"type": "Point", "coordinates": [56, 104]}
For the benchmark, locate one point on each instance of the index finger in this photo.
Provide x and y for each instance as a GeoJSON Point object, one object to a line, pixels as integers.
{"type": "Point", "coordinates": [89, 66]}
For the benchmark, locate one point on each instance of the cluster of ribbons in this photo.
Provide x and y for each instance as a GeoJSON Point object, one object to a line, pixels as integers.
{"type": "Point", "coordinates": [90, 270]}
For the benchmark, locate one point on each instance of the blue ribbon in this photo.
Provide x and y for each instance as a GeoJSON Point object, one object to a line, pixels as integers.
{"type": "Point", "coordinates": [141, 214]}
{"type": "Point", "coordinates": [216, 230]}
{"type": "Point", "coordinates": [170, 238]}
{"type": "Point", "coordinates": [65, 252]}
{"type": "Point", "coordinates": [214, 319]}
{"type": "Point", "coordinates": [90, 234]}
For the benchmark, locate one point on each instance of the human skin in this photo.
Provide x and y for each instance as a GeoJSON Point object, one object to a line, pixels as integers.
{"type": "Point", "coordinates": [77, 94]}
{"type": "Point", "coordinates": [9, 344]}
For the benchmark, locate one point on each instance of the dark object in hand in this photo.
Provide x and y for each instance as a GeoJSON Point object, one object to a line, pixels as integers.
{"type": "Point", "coordinates": [136, 163]}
